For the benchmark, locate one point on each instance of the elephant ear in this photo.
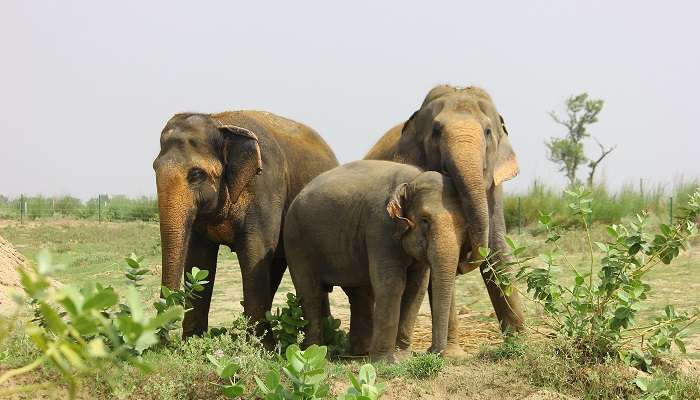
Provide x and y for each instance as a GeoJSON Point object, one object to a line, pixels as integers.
{"type": "Point", "coordinates": [242, 157]}
{"type": "Point", "coordinates": [506, 163]}
{"type": "Point", "coordinates": [409, 149]}
{"type": "Point", "coordinates": [396, 208]}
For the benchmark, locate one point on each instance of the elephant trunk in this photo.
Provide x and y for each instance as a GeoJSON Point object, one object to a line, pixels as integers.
{"type": "Point", "coordinates": [443, 256]}
{"type": "Point", "coordinates": [176, 209]}
{"type": "Point", "coordinates": [463, 144]}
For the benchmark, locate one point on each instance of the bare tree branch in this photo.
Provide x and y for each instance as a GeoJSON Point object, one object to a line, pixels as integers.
{"type": "Point", "coordinates": [594, 164]}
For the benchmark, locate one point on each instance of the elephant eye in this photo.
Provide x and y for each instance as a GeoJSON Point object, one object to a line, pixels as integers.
{"type": "Point", "coordinates": [196, 175]}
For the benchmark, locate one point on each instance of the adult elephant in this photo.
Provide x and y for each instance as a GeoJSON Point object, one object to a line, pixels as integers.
{"type": "Point", "coordinates": [459, 132]}
{"type": "Point", "coordinates": [228, 179]}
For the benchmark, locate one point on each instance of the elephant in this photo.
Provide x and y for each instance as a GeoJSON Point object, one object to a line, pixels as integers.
{"type": "Point", "coordinates": [459, 132]}
{"type": "Point", "coordinates": [375, 228]}
{"type": "Point", "coordinates": [227, 179]}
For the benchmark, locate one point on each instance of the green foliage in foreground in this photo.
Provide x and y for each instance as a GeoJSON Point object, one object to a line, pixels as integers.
{"type": "Point", "coordinates": [596, 315]}
{"type": "Point", "coordinates": [80, 330]}
{"type": "Point", "coordinates": [87, 333]}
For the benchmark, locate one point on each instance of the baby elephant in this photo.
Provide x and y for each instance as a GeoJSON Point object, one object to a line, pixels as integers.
{"type": "Point", "coordinates": [375, 228]}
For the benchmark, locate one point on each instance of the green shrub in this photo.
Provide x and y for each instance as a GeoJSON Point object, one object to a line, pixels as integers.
{"type": "Point", "coordinates": [79, 331]}
{"type": "Point", "coordinates": [596, 315]}
{"type": "Point", "coordinates": [288, 323]}
{"type": "Point", "coordinates": [364, 386]}
{"type": "Point", "coordinates": [305, 370]}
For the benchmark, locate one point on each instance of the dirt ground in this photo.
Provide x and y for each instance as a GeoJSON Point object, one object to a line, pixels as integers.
{"type": "Point", "coordinates": [10, 260]}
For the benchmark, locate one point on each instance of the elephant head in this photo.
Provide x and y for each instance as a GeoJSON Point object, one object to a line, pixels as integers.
{"type": "Point", "coordinates": [430, 224]}
{"type": "Point", "coordinates": [202, 169]}
{"type": "Point", "coordinates": [459, 132]}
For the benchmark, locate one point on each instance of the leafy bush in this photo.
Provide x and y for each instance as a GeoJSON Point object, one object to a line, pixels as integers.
{"type": "Point", "coordinates": [287, 324]}
{"type": "Point", "coordinates": [85, 333]}
{"type": "Point", "coordinates": [596, 314]}
{"type": "Point", "coordinates": [306, 372]}
{"type": "Point", "coordinates": [335, 338]}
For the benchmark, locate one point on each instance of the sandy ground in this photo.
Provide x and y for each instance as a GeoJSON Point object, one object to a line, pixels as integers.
{"type": "Point", "coordinates": [10, 260]}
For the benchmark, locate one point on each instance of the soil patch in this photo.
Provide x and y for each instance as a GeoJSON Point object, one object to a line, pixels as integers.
{"type": "Point", "coordinates": [10, 260]}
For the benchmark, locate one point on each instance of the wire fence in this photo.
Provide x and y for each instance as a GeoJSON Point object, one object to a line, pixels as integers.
{"type": "Point", "coordinates": [520, 210]}
{"type": "Point", "coordinates": [101, 208]}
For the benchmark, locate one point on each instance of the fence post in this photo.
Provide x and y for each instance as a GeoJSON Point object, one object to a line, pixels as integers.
{"type": "Point", "coordinates": [21, 209]}
{"type": "Point", "coordinates": [520, 215]}
{"type": "Point", "coordinates": [670, 211]}
{"type": "Point", "coordinates": [53, 207]}
{"type": "Point", "coordinates": [99, 207]}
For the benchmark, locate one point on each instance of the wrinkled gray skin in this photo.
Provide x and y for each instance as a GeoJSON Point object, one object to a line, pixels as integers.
{"type": "Point", "coordinates": [375, 228]}
{"type": "Point", "coordinates": [227, 179]}
{"type": "Point", "coordinates": [459, 132]}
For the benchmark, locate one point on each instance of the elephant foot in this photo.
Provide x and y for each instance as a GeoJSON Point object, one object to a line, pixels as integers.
{"type": "Point", "coordinates": [388, 358]}
{"type": "Point", "coordinates": [451, 351]}
{"type": "Point", "coordinates": [403, 354]}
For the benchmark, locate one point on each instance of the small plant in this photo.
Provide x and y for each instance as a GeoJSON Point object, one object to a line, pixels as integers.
{"type": "Point", "coordinates": [227, 370]}
{"type": "Point", "coordinates": [513, 346]}
{"type": "Point", "coordinates": [335, 338]}
{"type": "Point", "coordinates": [364, 387]}
{"type": "Point", "coordinates": [134, 270]}
{"type": "Point", "coordinates": [287, 324]}
{"type": "Point", "coordinates": [194, 283]}
{"type": "Point", "coordinates": [306, 372]}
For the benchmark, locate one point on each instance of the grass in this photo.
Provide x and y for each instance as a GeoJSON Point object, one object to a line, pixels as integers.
{"type": "Point", "coordinates": [608, 207]}
{"type": "Point", "coordinates": [95, 251]}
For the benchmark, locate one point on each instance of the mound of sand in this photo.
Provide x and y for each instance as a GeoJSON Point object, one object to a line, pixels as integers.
{"type": "Point", "coordinates": [10, 260]}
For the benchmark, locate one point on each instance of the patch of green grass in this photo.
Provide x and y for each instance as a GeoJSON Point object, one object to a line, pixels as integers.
{"type": "Point", "coordinates": [421, 366]}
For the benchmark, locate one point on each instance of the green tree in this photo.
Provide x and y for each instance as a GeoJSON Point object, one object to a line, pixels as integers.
{"type": "Point", "coordinates": [567, 152]}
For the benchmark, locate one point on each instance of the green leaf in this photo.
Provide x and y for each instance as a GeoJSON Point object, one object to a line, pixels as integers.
{"type": "Point", "coordinates": [102, 300]}
{"type": "Point", "coordinates": [228, 370]}
{"type": "Point", "coordinates": [53, 320]}
{"type": "Point", "coordinates": [233, 391]}
{"type": "Point", "coordinates": [213, 360]}
{"type": "Point", "coordinates": [641, 384]}
{"type": "Point", "coordinates": [680, 344]}
{"type": "Point", "coordinates": [133, 300]}
{"type": "Point", "coordinates": [367, 374]}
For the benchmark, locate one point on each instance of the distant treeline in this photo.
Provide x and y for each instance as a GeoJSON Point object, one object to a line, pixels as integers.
{"type": "Point", "coordinates": [520, 209]}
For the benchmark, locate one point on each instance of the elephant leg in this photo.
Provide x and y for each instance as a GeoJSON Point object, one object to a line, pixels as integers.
{"type": "Point", "coordinates": [311, 295]}
{"type": "Point", "coordinates": [256, 261]}
{"type": "Point", "coordinates": [279, 265]}
{"type": "Point", "coordinates": [388, 283]}
{"type": "Point", "coordinates": [201, 254]}
{"type": "Point", "coordinates": [508, 308]}
{"type": "Point", "coordinates": [361, 314]}
{"type": "Point", "coordinates": [411, 301]}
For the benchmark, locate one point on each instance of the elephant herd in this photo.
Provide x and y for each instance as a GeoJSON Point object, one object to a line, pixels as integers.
{"type": "Point", "coordinates": [387, 229]}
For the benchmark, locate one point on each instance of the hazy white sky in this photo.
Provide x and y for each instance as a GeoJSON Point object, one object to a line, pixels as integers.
{"type": "Point", "coordinates": [85, 86]}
